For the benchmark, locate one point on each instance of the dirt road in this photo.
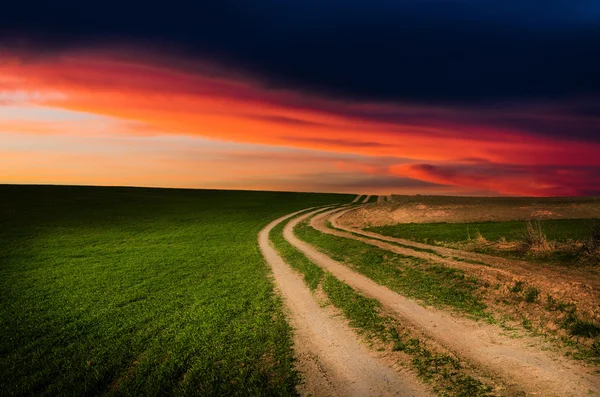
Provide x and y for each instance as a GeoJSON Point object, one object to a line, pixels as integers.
{"type": "Point", "coordinates": [576, 284]}
{"type": "Point", "coordinates": [332, 360]}
{"type": "Point", "coordinates": [518, 362]}
{"type": "Point", "coordinates": [522, 268]}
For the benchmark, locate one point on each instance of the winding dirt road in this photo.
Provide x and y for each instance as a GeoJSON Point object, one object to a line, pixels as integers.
{"type": "Point", "coordinates": [330, 356]}
{"type": "Point", "coordinates": [519, 267]}
{"type": "Point", "coordinates": [518, 362]}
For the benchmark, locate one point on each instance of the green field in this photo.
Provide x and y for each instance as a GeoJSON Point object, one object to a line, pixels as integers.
{"type": "Point", "coordinates": [567, 238]}
{"type": "Point", "coordinates": [561, 230]}
{"type": "Point", "coordinates": [130, 291]}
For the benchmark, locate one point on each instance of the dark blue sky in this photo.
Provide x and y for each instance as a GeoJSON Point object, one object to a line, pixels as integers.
{"type": "Point", "coordinates": [419, 50]}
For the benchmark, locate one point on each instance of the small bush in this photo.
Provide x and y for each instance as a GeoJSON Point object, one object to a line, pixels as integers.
{"type": "Point", "coordinates": [535, 239]}
{"type": "Point", "coordinates": [553, 304]}
{"type": "Point", "coordinates": [479, 238]}
{"type": "Point", "coordinates": [518, 287]}
{"type": "Point", "coordinates": [591, 245]}
{"type": "Point", "coordinates": [596, 347]}
{"type": "Point", "coordinates": [532, 294]}
{"type": "Point", "coordinates": [584, 328]}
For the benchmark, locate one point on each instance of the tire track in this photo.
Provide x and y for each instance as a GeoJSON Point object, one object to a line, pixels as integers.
{"type": "Point", "coordinates": [318, 223]}
{"type": "Point", "coordinates": [517, 362]}
{"type": "Point", "coordinates": [330, 357]}
{"type": "Point", "coordinates": [508, 268]}
{"type": "Point", "coordinates": [551, 280]}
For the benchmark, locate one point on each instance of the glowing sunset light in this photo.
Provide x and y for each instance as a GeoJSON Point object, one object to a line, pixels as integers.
{"type": "Point", "coordinates": [135, 101]}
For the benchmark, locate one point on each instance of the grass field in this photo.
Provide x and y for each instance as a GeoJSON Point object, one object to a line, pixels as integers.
{"type": "Point", "coordinates": [127, 291]}
{"type": "Point", "coordinates": [560, 230]}
{"type": "Point", "coordinates": [565, 236]}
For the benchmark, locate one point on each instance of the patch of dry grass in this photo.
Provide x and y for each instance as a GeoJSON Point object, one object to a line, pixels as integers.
{"type": "Point", "coordinates": [534, 239]}
{"type": "Point", "coordinates": [563, 242]}
{"type": "Point", "coordinates": [591, 245]}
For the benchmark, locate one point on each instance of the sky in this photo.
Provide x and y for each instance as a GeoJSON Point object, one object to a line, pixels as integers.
{"type": "Point", "coordinates": [461, 97]}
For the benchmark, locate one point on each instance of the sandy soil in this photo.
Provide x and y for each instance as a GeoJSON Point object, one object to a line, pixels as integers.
{"type": "Point", "coordinates": [356, 198]}
{"type": "Point", "coordinates": [520, 363]}
{"type": "Point", "coordinates": [331, 359]}
{"type": "Point", "coordinates": [425, 209]}
{"type": "Point", "coordinates": [366, 199]}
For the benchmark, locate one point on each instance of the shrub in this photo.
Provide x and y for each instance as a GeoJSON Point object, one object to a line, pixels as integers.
{"type": "Point", "coordinates": [535, 239]}
{"type": "Point", "coordinates": [584, 328]}
{"type": "Point", "coordinates": [518, 287]}
{"type": "Point", "coordinates": [527, 323]}
{"type": "Point", "coordinates": [591, 245]}
{"type": "Point", "coordinates": [553, 304]}
{"type": "Point", "coordinates": [479, 238]}
{"type": "Point", "coordinates": [596, 347]}
{"type": "Point", "coordinates": [531, 295]}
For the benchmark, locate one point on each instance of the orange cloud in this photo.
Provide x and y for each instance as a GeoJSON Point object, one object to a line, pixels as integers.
{"type": "Point", "coordinates": [151, 99]}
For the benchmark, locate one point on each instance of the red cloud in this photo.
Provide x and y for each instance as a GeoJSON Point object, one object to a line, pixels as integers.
{"type": "Point", "coordinates": [154, 98]}
{"type": "Point", "coordinates": [503, 179]}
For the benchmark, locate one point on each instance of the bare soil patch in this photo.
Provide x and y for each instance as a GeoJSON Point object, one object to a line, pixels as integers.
{"type": "Point", "coordinates": [427, 209]}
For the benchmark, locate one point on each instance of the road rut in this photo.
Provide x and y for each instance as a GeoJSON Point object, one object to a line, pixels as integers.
{"type": "Point", "coordinates": [330, 356]}
{"type": "Point", "coordinates": [507, 267]}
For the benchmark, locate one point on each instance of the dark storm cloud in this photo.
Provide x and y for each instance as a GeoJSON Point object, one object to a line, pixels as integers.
{"type": "Point", "coordinates": [423, 50]}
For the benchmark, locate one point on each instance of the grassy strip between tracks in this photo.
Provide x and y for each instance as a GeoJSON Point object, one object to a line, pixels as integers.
{"type": "Point", "coordinates": [540, 313]}
{"type": "Point", "coordinates": [417, 278]}
{"type": "Point", "coordinates": [441, 369]}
